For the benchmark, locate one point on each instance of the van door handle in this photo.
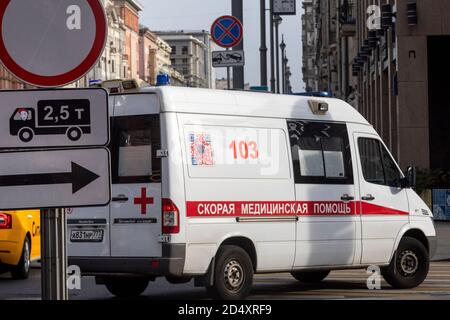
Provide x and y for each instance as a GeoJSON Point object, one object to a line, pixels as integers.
{"type": "Point", "coordinates": [120, 198]}
{"type": "Point", "coordinates": [347, 198]}
{"type": "Point", "coordinates": [369, 197]}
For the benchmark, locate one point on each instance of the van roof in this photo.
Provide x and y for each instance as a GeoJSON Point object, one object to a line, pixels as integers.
{"type": "Point", "coordinates": [251, 104]}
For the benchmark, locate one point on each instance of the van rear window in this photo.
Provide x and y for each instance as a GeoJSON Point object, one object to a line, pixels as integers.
{"type": "Point", "coordinates": [320, 152]}
{"type": "Point", "coordinates": [135, 141]}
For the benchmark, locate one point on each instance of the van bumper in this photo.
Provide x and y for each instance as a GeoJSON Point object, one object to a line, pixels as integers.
{"type": "Point", "coordinates": [170, 264]}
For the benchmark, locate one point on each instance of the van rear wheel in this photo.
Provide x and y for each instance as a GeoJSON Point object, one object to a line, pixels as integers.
{"type": "Point", "coordinates": [311, 276]}
{"type": "Point", "coordinates": [126, 287]}
{"type": "Point", "coordinates": [233, 274]}
{"type": "Point", "coordinates": [409, 266]}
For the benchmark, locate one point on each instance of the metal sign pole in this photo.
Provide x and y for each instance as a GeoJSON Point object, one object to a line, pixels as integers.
{"type": "Point", "coordinates": [238, 72]}
{"type": "Point", "coordinates": [54, 258]}
{"type": "Point", "coordinates": [228, 75]}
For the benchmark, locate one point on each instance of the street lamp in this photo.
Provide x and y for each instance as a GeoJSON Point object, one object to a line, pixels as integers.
{"type": "Point", "coordinates": [277, 21]}
{"type": "Point", "coordinates": [283, 61]}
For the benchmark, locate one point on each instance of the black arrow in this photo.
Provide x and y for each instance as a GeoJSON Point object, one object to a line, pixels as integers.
{"type": "Point", "coordinates": [79, 177]}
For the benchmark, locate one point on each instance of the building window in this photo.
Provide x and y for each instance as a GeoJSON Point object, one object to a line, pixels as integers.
{"type": "Point", "coordinates": [184, 50]}
{"type": "Point", "coordinates": [174, 50]}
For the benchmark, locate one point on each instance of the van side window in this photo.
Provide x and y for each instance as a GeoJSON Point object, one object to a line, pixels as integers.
{"type": "Point", "coordinates": [320, 152]}
{"type": "Point", "coordinates": [135, 140]}
{"type": "Point", "coordinates": [377, 165]}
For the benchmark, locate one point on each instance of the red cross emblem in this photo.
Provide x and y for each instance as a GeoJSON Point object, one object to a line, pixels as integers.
{"type": "Point", "coordinates": [143, 201]}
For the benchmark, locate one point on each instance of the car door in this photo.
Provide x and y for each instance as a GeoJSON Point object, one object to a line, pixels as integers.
{"type": "Point", "coordinates": [328, 227]}
{"type": "Point", "coordinates": [135, 213]}
{"type": "Point", "coordinates": [384, 204]}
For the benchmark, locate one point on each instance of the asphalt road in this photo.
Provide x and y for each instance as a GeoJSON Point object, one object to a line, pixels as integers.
{"type": "Point", "coordinates": [348, 284]}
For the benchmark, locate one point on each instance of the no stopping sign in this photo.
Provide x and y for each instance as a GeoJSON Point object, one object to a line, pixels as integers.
{"type": "Point", "coordinates": [227, 31]}
{"type": "Point", "coordinates": [49, 43]}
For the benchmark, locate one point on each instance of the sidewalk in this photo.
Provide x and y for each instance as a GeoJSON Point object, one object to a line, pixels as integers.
{"type": "Point", "coordinates": [443, 234]}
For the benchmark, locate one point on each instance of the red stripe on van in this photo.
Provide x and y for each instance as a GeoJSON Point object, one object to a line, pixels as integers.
{"type": "Point", "coordinates": [284, 209]}
{"type": "Point", "coordinates": [373, 209]}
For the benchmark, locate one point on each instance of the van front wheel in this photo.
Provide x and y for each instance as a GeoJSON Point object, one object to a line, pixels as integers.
{"type": "Point", "coordinates": [233, 274]}
{"type": "Point", "coordinates": [126, 287]}
{"type": "Point", "coordinates": [410, 265]}
{"type": "Point", "coordinates": [310, 276]}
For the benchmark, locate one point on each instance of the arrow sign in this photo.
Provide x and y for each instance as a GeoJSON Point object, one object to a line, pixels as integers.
{"type": "Point", "coordinates": [54, 179]}
{"type": "Point", "coordinates": [79, 177]}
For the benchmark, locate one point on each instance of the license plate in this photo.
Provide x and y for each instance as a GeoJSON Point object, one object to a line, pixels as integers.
{"type": "Point", "coordinates": [94, 235]}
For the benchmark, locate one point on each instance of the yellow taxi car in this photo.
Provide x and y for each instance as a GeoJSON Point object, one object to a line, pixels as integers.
{"type": "Point", "coordinates": [20, 236]}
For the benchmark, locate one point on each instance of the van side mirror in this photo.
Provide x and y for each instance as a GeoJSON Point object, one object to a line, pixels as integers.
{"type": "Point", "coordinates": [409, 181]}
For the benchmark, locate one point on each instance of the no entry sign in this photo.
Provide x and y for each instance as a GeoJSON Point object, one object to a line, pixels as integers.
{"type": "Point", "coordinates": [227, 31]}
{"type": "Point", "coordinates": [49, 43]}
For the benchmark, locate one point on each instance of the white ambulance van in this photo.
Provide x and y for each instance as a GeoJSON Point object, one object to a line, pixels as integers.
{"type": "Point", "coordinates": [217, 186]}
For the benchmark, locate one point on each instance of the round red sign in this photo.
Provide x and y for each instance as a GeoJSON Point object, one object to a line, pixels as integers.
{"type": "Point", "coordinates": [227, 31]}
{"type": "Point", "coordinates": [59, 43]}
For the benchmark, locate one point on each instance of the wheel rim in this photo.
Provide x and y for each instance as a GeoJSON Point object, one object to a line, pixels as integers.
{"type": "Point", "coordinates": [407, 263]}
{"type": "Point", "coordinates": [234, 275]}
{"type": "Point", "coordinates": [26, 256]}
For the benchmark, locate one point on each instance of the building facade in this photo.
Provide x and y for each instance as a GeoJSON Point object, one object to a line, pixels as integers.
{"type": "Point", "coordinates": [191, 56]}
{"type": "Point", "coordinates": [390, 57]}
{"type": "Point", "coordinates": [8, 81]}
{"type": "Point", "coordinates": [128, 11]}
{"type": "Point", "coordinates": [111, 63]}
{"type": "Point", "coordinates": [155, 59]}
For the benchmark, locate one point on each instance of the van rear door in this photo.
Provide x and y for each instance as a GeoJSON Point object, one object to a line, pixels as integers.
{"type": "Point", "coordinates": [89, 228]}
{"type": "Point", "coordinates": [135, 213]}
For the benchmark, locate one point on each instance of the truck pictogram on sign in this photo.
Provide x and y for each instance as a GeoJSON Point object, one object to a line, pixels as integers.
{"type": "Point", "coordinates": [61, 117]}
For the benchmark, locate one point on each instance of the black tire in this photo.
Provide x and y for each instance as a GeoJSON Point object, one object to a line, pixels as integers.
{"type": "Point", "coordinates": [74, 134]}
{"type": "Point", "coordinates": [26, 135]}
{"type": "Point", "coordinates": [310, 276]}
{"type": "Point", "coordinates": [22, 270]}
{"type": "Point", "coordinates": [178, 280]}
{"type": "Point", "coordinates": [409, 266]}
{"type": "Point", "coordinates": [126, 287]}
{"type": "Point", "coordinates": [233, 274]}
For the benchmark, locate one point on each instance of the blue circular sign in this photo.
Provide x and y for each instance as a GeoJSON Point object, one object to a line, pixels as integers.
{"type": "Point", "coordinates": [227, 31]}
